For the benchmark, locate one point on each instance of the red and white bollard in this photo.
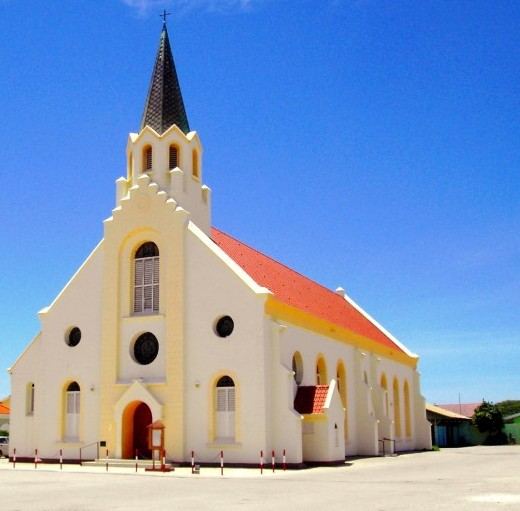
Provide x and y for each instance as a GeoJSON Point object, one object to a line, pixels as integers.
{"type": "Point", "coordinates": [106, 462]}
{"type": "Point", "coordinates": [272, 459]}
{"type": "Point", "coordinates": [61, 459]}
{"type": "Point", "coordinates": [14, 458]}
{"type": "Point", "coordinates": [284, 464]}
{"type": "Point", "coordinates": [261, 462]}
{"type": "Point", "coordinates": [192, 462]}
{"type": "Point", "coordinates": [221, 463]}
{"type": "Point", "coordinates": [35, 458]}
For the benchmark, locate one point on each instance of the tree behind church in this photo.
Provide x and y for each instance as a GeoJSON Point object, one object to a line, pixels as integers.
{"type": "Point", "coordinates": [488, 419]}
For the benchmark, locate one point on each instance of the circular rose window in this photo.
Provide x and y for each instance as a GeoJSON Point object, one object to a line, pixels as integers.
{"type": "Point", "coordinates": [73, 337]}
{"type": "Point", "coordinates": [224, 326]}
{"type": "Point", "coordinates": [146, 348]}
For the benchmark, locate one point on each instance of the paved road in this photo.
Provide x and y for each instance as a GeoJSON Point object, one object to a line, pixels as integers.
{"type": "Point", "coordinates": [475, 478]}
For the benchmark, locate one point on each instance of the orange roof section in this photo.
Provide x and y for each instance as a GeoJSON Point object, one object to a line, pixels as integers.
{"type": "Point", "coordinates": [311, 399]}
{"type": "Point", "coordinates": [4, 410]}
{"type": "Point", "coordinates": [296, 290]}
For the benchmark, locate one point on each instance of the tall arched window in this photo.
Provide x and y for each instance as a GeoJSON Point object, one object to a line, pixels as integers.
{"type": "Point", "coordinates": [297, 367]}
{"type": "Point", "coordinates": [72, 401]}
{"type": "Point", "coordinates": [195, 163]}
{"type": "Point", "coordinates": [146, 279]}
{"type": "Point", "coordinates": [29, 399]}
{"type": "Point", "coordinates": [147, 158]}
{"type": "Point", "coordinates": [341, 378]}
{"type": "Point", "coordinates": [225, 409]}
{"type": "Point", "coordinates": [321, 372]}
{"type": "Point", "coordinates": [173, 156]}
{"type": "Point", "coordinates": [407, 417]}
{"type": "Point", "coordinates": [384, 388]}
{"type": "Point", "coordinates": [397, 408]}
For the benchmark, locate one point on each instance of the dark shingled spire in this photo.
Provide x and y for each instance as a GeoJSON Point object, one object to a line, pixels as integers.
{"type": "Point", "coordinates": [164, 106]}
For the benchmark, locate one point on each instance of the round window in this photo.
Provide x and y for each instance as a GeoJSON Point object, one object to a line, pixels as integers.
{"type": "Point", "coordinates": [73, 337]}
{"type": "Point", "coordinates": [146, 348]}
{"type": "Point", "coordinates": [224, 326]}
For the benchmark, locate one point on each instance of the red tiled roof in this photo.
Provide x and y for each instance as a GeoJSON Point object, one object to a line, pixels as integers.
{"type": "Point", "coordinates": [466, 409]}
{"type": "Point", "coordinates": [450, 414]}
{"type": "Point", "coordinates": [4, 410]}
{"type": "Point", "coordinates": [292, 288]}
{"type": "Point", "coordinates": [311, 399]}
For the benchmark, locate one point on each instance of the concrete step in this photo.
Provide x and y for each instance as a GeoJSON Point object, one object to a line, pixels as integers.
{"type": "Point", "coordinates": [119, 463]}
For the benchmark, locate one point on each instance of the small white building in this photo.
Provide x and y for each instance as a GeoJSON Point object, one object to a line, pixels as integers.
{"type": "Point", "coordinates": [170, 319]}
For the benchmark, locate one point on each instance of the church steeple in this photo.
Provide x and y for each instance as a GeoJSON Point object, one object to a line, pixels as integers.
{"type": "Point", "coordinates": [164, 105]}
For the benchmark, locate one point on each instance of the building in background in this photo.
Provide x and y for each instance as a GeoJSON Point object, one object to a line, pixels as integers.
{"type": "Point", "coordinates": [512, 427]}
{"type": "Point", "coordinates": [449, 429]}
{"type": "Point", "coordinates": [172, 319]}
{"type": "Point", "coordinates": [5, 412]}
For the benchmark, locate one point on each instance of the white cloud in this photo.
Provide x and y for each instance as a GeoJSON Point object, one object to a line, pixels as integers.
{"type": "Point", "coordinates": [143, 7]}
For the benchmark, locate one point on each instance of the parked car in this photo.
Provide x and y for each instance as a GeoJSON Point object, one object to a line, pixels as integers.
{"type": "Point", "coordinates": [4, 446]}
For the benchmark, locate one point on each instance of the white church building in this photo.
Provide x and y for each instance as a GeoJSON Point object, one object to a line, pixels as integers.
{"type": "Point", "coordinates": [170, 319]}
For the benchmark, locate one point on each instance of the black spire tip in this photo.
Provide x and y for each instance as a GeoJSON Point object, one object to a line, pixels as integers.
{"type": "Point", "coordinates": [164, 106]}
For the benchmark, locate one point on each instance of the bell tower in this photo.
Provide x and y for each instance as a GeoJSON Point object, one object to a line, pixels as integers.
{"type": "Point", "coordinates": [165, 149]}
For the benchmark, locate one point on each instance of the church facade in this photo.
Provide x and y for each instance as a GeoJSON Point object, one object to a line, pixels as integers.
{"type": "Point", "coordinates": [171, 320]}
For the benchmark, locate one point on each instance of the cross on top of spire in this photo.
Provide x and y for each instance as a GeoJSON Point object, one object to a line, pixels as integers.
{"type": "Point", "coordinates": [164, 14]}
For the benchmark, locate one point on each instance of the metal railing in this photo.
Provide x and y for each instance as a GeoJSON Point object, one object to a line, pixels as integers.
{"type": "Point", "coordinates": [86, 446]}
{"type": "Point", "coordinates": [383, 443]}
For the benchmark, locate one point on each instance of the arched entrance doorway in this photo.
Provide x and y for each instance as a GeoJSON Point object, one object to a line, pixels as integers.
{"type": "Point", "coordinates": [136, 417]}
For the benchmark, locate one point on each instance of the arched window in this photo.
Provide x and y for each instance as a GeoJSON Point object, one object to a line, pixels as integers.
{"type": "Point", "coordinates": [341, 378]}
{"type": "Point", "coordinates": [407, 418]}
{"type": "Point", "coordinates": [72, 400]}
{"type": "Point", "coordinates": [146, 279]}
{"type": "Point", "coordinates": [147, 158]}
{"type": "Point", "coordinates": [321, 372]}
{"type": "Point", "coordinates": [225, 409]}
{"type": "Point", "coordinates": [173, 156]}
{"type": "Point", "coordinates": [297, 367]}
{"type": "Point", "coordinates": [397, 408]}
{"type": "Point", "coordinates": [384, 388]}
{"type": "Point", "coordinates": [29, 399]}
{"type": "Point", "coordinates": [195, 163]}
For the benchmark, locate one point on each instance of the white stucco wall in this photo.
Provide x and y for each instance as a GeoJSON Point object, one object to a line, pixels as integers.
{"type": "Point", "coordinates": [51, 365]}
{"type": "Point", "coordinates": [366, 420]}
{"type": "Point", "coordinates": [213, 290]}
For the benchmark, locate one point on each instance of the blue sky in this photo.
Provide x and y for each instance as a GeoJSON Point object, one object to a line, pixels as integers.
{"type": "Point", "coordinates": [367, 144]}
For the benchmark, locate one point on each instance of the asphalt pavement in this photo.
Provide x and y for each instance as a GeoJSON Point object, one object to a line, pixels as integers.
{"type": "Point", "coordinates": [473, 478]}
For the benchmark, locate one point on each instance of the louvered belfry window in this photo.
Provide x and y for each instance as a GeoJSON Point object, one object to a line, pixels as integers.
{"type": "Point", "coordinates": [174, 157]}
{"type": "Point", "coordinates": [146, 279]}
{"type": "Point", "coordinates": [195, 164]}
{"type": "Point", "coordinates": [147, 158]}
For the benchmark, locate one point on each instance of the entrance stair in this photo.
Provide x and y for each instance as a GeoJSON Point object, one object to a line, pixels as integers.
{"type": "Point", "coordinates": [120, 463]}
